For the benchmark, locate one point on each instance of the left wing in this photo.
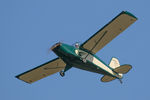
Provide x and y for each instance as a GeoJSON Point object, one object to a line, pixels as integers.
{"type": "Point", "coordinates": [42, 71]}
{"type": "Point", "coordinates": [109, 32]}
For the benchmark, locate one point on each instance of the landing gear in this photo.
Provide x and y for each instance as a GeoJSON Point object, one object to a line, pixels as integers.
{"type": "Point", "coordinates": [62, 73]}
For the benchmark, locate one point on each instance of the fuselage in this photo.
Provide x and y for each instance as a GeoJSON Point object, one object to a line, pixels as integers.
{"type": "Point", "coordinates": [82, 59]}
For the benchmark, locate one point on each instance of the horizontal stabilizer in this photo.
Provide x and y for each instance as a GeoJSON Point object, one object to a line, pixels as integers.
{"type": "Point", "coordinates": [123, 69]}
{"type": "Point", "coordinates": [107, 78]}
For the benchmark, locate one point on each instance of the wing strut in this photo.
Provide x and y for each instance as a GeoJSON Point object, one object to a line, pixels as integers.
{"type": "Point", "coordinates": [96, 42]}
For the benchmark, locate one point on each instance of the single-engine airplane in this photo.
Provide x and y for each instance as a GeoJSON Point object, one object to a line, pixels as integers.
{"type": "Point", "coordinates": [83, 56]}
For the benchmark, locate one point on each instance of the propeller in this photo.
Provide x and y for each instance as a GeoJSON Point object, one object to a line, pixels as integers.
{"type": "Point", "coordinates": [49, 49]}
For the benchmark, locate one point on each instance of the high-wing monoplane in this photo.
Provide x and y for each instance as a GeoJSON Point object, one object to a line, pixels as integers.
{"type": "Point", "coordinates": [83, 56]}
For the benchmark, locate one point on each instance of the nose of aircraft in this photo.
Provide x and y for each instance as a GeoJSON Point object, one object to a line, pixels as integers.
{"type": "Point", "coordinates": [55, 45]}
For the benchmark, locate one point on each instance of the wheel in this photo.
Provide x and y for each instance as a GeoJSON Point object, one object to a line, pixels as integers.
{"type": "Point", "coordinates": [62, 73]}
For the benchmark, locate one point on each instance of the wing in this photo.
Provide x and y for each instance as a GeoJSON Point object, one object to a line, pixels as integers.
{"type": "Point", "coordinates": [109, 32]}
{"type": "Point", "coordinates": [42, 71]}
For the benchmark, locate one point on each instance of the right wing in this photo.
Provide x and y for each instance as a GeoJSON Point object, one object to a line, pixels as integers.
{"type": "Point", "coordinates": [109, 32]}
{"type": "Point", "coordinates": [42, 71]}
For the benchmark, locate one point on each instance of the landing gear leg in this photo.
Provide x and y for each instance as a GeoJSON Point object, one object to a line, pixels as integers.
{"type": "Point", "coordinates": [62, 73]}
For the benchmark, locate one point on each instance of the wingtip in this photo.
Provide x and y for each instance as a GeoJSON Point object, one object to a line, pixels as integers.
{"type": "Point", "coordinates": [18, 77]}
{"type": "Point", "coordinates": [128, 13]}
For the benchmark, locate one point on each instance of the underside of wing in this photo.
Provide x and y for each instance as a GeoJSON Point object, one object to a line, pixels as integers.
{"type": "Point", "coordinates": [42, 71]}
{"type": "Point", "coordinates": [109, 32]}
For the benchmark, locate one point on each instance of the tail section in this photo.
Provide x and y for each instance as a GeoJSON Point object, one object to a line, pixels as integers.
{"type": "Point", "coordinates": [120, 70]}
{"type": "Point", "coordinates": [114, 63]}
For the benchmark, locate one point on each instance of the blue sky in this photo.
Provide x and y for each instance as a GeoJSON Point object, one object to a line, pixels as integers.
{"type": "Point", "coordinates": [30, 27]}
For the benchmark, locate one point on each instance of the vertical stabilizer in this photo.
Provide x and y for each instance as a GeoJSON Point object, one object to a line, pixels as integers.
{"type": "Point", "coordinates": [114, 63]}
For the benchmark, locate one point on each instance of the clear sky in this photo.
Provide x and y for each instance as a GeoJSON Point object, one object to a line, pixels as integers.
{"type": "Point", "coordinates": [28, 28]}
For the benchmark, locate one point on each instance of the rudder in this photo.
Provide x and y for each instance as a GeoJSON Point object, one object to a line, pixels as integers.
{"type": "Point", "coordinates": [114, 63]}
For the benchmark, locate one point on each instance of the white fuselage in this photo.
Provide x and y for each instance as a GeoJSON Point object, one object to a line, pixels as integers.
{"type": "Point", "coordinates": [95, 61]}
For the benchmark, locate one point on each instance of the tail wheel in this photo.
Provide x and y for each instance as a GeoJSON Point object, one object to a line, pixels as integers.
{"type": "Point", "coordinates": [62, 73]}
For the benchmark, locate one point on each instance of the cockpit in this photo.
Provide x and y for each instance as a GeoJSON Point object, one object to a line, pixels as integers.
{"type": "Point", "coordinates": [80, 52]}
{"type": "Point", "coordinates": [83, 55]}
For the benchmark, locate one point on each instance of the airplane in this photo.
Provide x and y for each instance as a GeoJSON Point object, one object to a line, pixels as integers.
{"type": "Point", "coordinates": [84, 56]}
